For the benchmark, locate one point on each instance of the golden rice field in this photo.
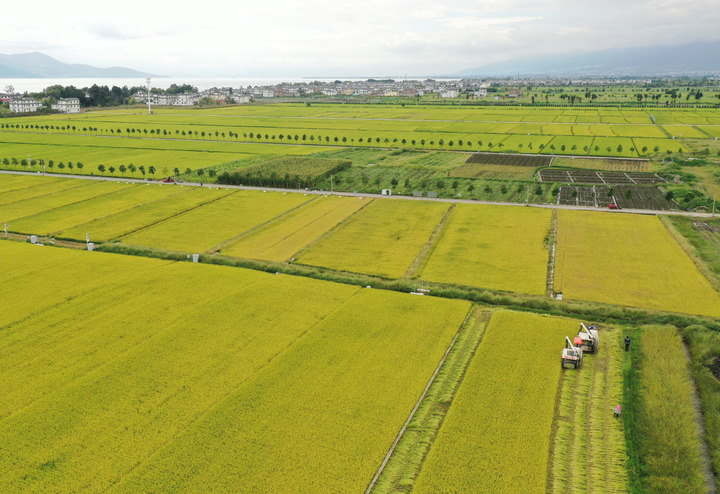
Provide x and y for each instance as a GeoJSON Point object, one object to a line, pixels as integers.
{"type": "Point", "coordinates": [24, 208]}
{"type": "Point", "coordinates": [669, 434]}
{"type": "Point", "coordinates": [55, 221]}
{"type": "Point", "coordinates": [383, 239]}
{"type": "Point", "coordinates": [165, 389]}
{"type": "Point", "coordinates": [282, 238]}
{"type": "Point", "coordinates": [496, 436]}
{"type": "Point", "coordinates": [496, 247]}
{"type": "Point", "coordinates": [144, 213]}
{"type": "Point", "coordinates": [630, 260]}
{"type": "Point", "coordinates": [216, 222]}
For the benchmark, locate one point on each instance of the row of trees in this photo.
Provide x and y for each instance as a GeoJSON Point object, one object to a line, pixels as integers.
{"type": "Point", "coordinates": [30, 163]}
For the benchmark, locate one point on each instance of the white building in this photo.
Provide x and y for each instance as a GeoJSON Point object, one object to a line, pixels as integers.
{"type": "Point", "coordinates": [480, 93]}
{"type": "Point", "coordinates": [67, 105]}
{"type": "Point", "coordinates": [449, 93]}
{"type": "Point", "coordinates": [24, 105]}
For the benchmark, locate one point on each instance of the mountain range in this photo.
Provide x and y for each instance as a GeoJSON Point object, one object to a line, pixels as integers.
{"type": "Point", "coordinates": [37, 64]}
{"type": "Point", "coordinates": [699, 58]}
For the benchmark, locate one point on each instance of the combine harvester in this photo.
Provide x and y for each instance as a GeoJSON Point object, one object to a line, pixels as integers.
{"type": "Point", "coordinates": [590, 338]}
{"type": "Point", "coordinates": [572, 355]}
{"type": "Point", "coordinates": [587, 340]}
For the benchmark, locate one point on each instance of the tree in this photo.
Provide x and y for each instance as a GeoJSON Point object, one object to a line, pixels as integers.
{"type": "Point", "coordinates": [394, 182]}
{"type": "Point", "coordinates": [176, 171]}
{"type": "Point", "coordinates": [142, 169]}
{"type": "Point", "coordinates": [101, 168]}
{"type": "Point", "coordinates": [377, 181]}
{"type": "Point", "coordinates": [111, 170]}
{"type": "Point", "coordinates": [122, 169]}
{"type": "Point", "coordinates": [151, 170]}
{"type": "Point", "coordinates": [61, 166]}
{"type": "Point", "coordinates": [132, 169]}
{"type": "Point", "coordinates": [187, 171]}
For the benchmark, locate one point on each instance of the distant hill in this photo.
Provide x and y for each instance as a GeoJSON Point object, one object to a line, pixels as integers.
{"type": "Point", "coordinates": [37, 64]}
{"type": "Point", "coordinates": [700, 58]}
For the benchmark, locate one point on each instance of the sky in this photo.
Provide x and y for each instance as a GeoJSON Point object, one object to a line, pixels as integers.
{"type": "Point", "coordinates": [342, 38]}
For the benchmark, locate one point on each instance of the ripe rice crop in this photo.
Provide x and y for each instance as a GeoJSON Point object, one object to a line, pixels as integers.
{"type": "Point", "coordinates": [630, 260]}
{"type": "Point", "coordinates": [494, 247]}
{"type": "Point", "coordinates": [669, 437]}
{"type": "Point", "coordinates": [54, 221]}
{"type": "Point", "coordinates": [383, 239]}
{"type": "Point", "coordinates": [280, 239]}
{"type": "Point", "coordinates": [145, 213]}
{"type": "Point", "coordinates": [259, 369]}
{"type": "Point", "coordinates": [35, 205]}
{"type": "Point", "coordinates": [217, 222]}
{"type": "Point", "coordinates": [34, 187]}
{"type": "Point", "coordinates": [496, 436]}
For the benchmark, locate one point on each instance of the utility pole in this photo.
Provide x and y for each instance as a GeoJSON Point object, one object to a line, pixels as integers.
{"type": "Point", "coordinates": [148, 96]}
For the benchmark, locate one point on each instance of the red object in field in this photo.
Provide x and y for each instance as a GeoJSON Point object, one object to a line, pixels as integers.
{"type": "Point", "coordinates": [168, 179]}
{"type": "Point", "coordinates": [577, 341]}
{"type": "Point", "coordinates": [612, 205]}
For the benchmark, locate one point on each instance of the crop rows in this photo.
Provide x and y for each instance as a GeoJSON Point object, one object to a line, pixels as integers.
{"type": "Point", "coordinates": [624, 196]}
{"type": "Point", "coordinates": [509, 159]}
{"type": "Point", "coordinates": [598, 177]}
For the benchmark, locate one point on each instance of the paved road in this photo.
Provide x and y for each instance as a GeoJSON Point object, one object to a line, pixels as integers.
{"type": "Point", "coordinates": [378, 196]}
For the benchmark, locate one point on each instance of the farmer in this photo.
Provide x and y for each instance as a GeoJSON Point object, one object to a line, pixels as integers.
{"type": "Point", "coordinates": [617, 412]}
{"type": "Point", "coordinates": [627, 343]}
{"type": "Point", "coordinates": [592, 326]}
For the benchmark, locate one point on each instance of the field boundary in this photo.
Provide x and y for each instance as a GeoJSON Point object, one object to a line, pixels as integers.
{"type": "Point", "coordinates": [349, 218]}
{"type": "Point", "coordinates": [418, 265]}
{"type": "Point", "coordinates": [172, 216]}
{"type": "Point", "coordinates": [218, 247]}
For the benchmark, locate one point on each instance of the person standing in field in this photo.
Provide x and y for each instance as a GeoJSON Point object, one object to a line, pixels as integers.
{"type": "Point", "coordinates": [627, 343]}
{"type": "Point", "coordinates": [617, 412]}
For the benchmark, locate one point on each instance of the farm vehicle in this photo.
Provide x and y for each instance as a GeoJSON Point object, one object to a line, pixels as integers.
{"type": "Point", "coordinates": [587, 340]}
{"type": "Point", "coordinates": [590, 338]}
{"type": "Point", "coordinates": [572, 356]}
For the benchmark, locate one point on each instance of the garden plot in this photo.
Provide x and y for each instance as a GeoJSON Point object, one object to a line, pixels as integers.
{"type": "Point", "coordinates": [599, 177]}
{"type": "Point", "coordinates": [509, 159]}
